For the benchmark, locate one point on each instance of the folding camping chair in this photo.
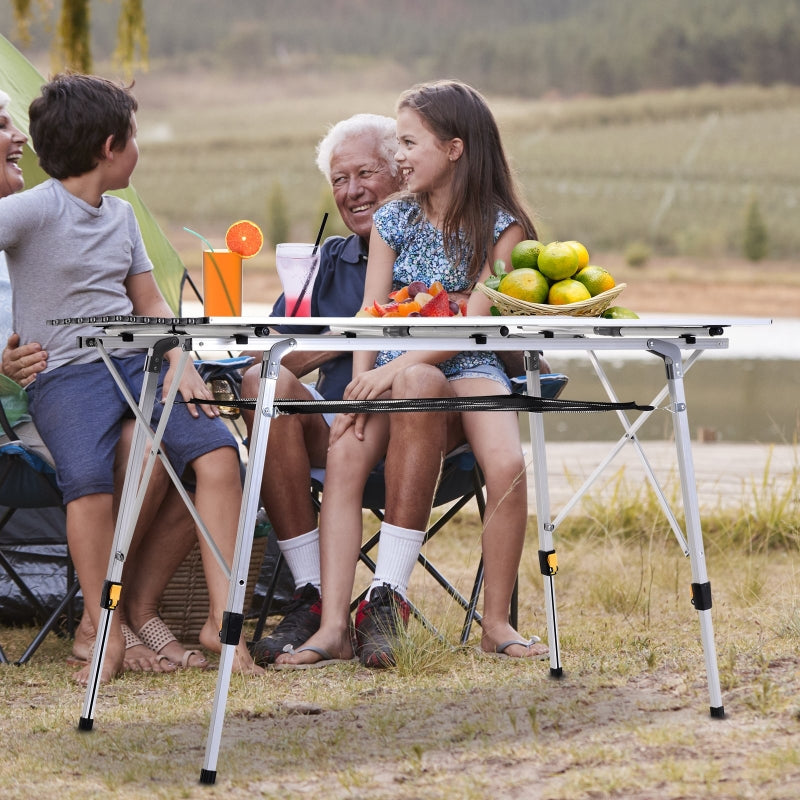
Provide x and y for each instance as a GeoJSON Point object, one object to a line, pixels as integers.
{"type": "Point", "coordinates": [461, 482]}
{"type": "Point", "coordinates": [28, 482]}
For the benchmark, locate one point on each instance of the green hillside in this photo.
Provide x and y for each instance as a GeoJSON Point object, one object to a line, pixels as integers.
{"type": "Point", "coordinates": [520, 47]}
{"type": "Point", "coordinates": [627, 120]}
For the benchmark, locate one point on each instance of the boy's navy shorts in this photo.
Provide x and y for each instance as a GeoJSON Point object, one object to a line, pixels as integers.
{"type": "Point", "coordinates": [78, 410]}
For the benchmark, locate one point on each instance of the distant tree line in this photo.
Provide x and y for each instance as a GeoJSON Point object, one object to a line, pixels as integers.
{"type": "Point", "coordinates": [515, 47]}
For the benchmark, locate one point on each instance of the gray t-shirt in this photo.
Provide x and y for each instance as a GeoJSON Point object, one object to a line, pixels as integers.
{"type": "Point", "coordinates": [67, 258]}
{"type": "Point", "coordinates": [6, 323]}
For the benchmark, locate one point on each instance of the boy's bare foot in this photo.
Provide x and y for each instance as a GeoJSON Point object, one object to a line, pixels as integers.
{"type": "Point", "coordinates": [112, 663]}
{"type": "Point", "coordinates": [83, 642]}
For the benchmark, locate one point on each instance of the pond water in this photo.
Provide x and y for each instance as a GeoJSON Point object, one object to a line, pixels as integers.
{"type": "Point", "coordinates": [747, 393]}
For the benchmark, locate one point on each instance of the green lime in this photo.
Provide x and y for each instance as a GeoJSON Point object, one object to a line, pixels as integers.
{"type": "Point", "coordinates": [525, 254]}
{"type": "Point", "coordinates": [619, 312]}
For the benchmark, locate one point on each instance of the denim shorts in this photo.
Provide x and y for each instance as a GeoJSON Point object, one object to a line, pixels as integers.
{"type": "Point", "coordinates": [78, 410]}
{"type": "Point", "coordinates": [484, 371]}
{"type": "Point", "coordinates": [315, 395]}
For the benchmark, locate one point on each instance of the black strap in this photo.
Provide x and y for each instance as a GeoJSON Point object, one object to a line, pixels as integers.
{"type": "Point", "coordinates": [500, 402]}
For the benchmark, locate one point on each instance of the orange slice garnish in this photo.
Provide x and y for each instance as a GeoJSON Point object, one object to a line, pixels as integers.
{"type": "Point", "coordinates": [245, 238]}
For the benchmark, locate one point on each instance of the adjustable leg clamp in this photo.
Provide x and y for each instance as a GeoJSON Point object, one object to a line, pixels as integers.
{"type": "Point", "coordinates": [548, 562]}
{"type": "Point", "coordinates": [231, 630]}
{"type": "Point", "coordinates": [701, 596]}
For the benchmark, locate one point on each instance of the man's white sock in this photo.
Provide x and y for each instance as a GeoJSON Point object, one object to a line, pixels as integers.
{"type": "Point", "coordinates": [302, 556]}
{"type": "Point", "coordinates": [398, 549]}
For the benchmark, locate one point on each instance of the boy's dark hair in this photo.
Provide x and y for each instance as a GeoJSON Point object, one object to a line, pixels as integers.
{"type": "Point", "coordinates": [72, 119]}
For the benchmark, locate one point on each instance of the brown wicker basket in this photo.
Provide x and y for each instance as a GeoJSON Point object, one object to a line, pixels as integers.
{"type": "Point", "coordinates": [593, 307]}
{"type": "Point", "coordinates": [184, 604]}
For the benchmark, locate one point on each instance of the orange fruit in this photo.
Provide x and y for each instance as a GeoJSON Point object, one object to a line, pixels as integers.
{"type": "Point", "coordinates": [409, 307]}
{"type": "Point", "coordinates": [245, 238]}
{"type": "Point", "coordinates": [583, 253]}
{"type": "Point", "coordinates": [558, 260]}
{"type": "Point", "coordinates": [567, 291]}
{"type": "Point", "coordinates": [595, 279]}
{"type": "Point", "coordinates": [525, 254]}
{"type": "Point", "coordinates": [525, 284]}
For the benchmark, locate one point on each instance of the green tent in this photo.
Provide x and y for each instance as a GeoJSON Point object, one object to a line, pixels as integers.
{"type": "Point", "coordinates": [22, 82]}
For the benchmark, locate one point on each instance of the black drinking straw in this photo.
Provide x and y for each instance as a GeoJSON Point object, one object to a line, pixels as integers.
{"type": "Point", "coordinates": [311, 271]}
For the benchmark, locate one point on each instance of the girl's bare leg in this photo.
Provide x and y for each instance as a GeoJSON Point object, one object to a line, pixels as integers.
{"type": "Point", "coordinates": [494, 438]}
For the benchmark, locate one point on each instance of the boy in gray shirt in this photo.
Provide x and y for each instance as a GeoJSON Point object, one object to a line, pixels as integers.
{"type": "Point", "coordinates": [71, 249]}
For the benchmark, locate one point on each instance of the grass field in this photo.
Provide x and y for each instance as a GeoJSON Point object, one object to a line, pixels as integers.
{"type": "Point", "coordinates": [629, 719]}
{"type": "Point", "coordinates": [675, 169]}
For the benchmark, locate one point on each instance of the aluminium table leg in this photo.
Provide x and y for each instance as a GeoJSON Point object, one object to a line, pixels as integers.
{"type": "Point", "coordinates": [701, 587]}
{"type": "Point", "coordinates": [233, 618]}
{"type": "Point", "coordinates": [548, 562]}
{"type": "Point", "coordinates": [132, 495]}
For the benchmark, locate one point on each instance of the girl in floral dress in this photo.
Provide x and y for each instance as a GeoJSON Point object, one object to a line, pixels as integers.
{"type": "Point", "coordinates": [460, 212]}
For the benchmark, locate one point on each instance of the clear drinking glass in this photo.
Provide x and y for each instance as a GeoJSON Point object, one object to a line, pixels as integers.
{"type": "Point", "coordinates": [298, 265]}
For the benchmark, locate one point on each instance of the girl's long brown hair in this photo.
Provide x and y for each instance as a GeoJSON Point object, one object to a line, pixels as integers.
{"type": "Point", "coordinates": [482, 181]}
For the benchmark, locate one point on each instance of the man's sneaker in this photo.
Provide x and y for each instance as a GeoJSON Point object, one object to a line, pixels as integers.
{"type": "Point", "coordinates": [378, 623]}
{"type": "Point", "coordinates": [300, 621]}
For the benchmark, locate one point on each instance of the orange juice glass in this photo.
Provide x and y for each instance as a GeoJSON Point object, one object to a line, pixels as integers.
{"type": "Point", "coordinates": [222, 284]}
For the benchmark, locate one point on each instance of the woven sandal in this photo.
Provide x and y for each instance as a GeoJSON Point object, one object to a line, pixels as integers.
{"type": "Point", "coordinates": [156, 635]}
{"type": "Point", "coordinates": [130, 639]}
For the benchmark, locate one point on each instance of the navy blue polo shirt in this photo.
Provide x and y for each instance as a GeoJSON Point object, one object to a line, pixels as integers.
{"type": "Point", "coordinates": [338, 292]}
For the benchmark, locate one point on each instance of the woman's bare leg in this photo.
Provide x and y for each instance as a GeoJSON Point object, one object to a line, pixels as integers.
{"type": "Point", "coordinates": [218, 502]}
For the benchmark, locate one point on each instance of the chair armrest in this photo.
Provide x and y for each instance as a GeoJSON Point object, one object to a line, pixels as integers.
{"type": "Point", "coordinates": [13, 405]}
{"type": "Point", "coordinates": [5, 423]}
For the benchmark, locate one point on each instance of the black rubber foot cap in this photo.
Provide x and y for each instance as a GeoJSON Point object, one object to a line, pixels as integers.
{"type": "Point", "coordinates": [208, 776]}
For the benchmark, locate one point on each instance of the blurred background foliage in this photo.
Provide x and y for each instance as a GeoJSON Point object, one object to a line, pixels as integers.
{"type": "Point", "coordinates": [523, 48]}
{"type": "Point", "coordinates": [647, 127]}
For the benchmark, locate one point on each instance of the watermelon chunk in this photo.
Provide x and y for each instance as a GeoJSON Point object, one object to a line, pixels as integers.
{"type": "Point", "coordinates": [439, 306]}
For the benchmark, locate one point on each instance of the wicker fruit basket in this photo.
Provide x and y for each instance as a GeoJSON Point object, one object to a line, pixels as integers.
{"type": "Point", "coordinates": [593, 307]}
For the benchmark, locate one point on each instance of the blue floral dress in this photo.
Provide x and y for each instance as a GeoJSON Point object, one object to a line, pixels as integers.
{"type": "Point", "coordinates": [421, 257]}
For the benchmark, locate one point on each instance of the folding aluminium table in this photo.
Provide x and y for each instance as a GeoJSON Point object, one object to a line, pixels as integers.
{"type": "Point", "coordinates": [675, 343]}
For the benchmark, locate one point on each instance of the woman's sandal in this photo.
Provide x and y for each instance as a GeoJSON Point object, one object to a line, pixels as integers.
{"type": "Point", "coordinates": [131, 640]}
{"type": "Point", "coordinates": [156, 635]}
